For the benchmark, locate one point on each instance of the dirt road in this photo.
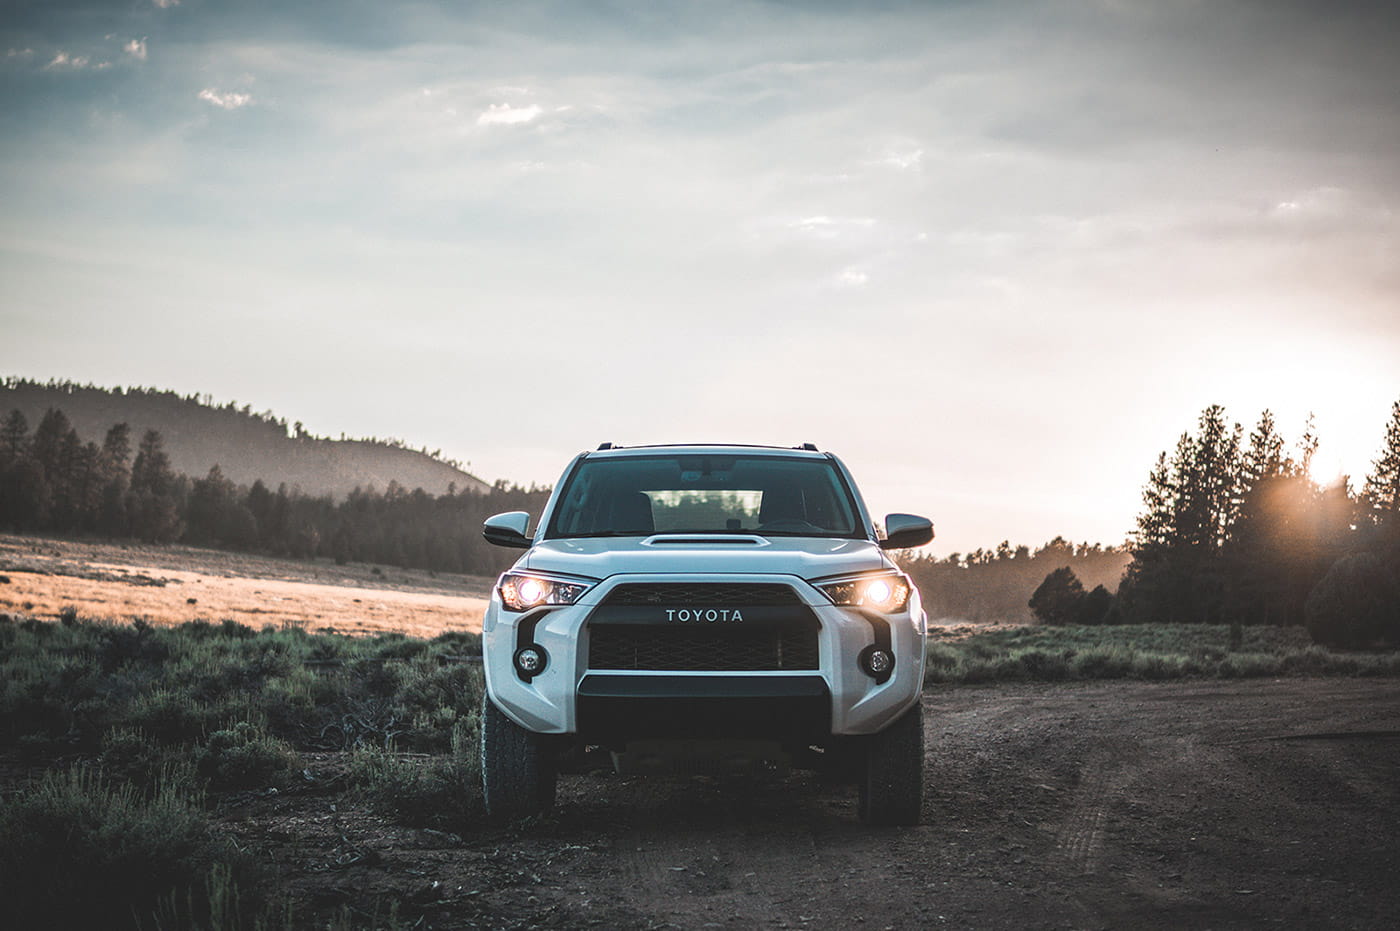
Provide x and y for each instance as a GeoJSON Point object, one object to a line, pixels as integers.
{"type": "Point", "coordinates": [1181, 805]}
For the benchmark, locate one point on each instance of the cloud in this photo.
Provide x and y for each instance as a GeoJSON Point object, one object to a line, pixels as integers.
{"type": "Point", "coordinates": [165, 4]}
{"type": "Point", "coordinates": [64, 60]}
{"type": "Point", "coordinates": [503, 114]}
{"type": "Point", "coordinates": [824, 227]}
{"type": "Point", "coordinates": [136, 48]}
{"type": "Point", "coordinates": [230, 100]}
{"type": "Point", "coordinates": [852, 277]}
{"type": "Point", "coordinates": [904, 156]}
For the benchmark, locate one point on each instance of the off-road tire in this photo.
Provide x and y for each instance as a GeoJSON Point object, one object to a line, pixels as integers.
{"type": "Point", "coordinates": [519, 770]}
{"type": "Point", "coordinates": [892, 783]}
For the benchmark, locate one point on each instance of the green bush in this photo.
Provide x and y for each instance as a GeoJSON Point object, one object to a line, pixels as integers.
{"type": "Point", "coordinates": [422, 791]}
{"type": "Point", "coordinates": [80, 853]}
{"type": "Point", "coordinates": [244, 757]}
{"type": "Point", "coordinates": [1143, 651]}
{"type": "Point", "coordinates": [74, 684]}
{"type": "Point", "coordinates": [1356, 604]}
{"type": "Point", "coordinates": [1107, 662]}
{"type": "Point", "coordinates": [130, 756]}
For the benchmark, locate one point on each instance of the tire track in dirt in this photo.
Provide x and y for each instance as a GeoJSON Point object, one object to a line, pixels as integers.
{"type": "Point", "coordinates": [1079, 839]}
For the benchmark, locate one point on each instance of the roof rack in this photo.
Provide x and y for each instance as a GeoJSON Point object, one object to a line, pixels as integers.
{"type": "Point", "coordinates": [805, 447]}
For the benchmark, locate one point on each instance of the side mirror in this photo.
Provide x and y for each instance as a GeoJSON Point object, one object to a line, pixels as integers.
{"type": "Point", "coordinates": [903, 531]}
{"type": "Point", "coordinates": [508, 529]}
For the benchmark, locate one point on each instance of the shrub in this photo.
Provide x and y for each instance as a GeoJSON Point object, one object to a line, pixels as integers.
{"type": "Point", "coordinates": [1060, 598]}
{"type": "Point", "coordinates": [1356, 604]}
{"type": "Point", "coordinates": [1042, 664]}
{"type": "Point", "coordinates": [422, 791]}
{"type": "Point", "coordinates": [244, 757]}
{"type": "Point", "coordinates": [129, 756]}
{"type": "Point", "coordinates": [1110, 662]}
{"type": "Point", "coordinates": [168, 716]}
{"type": "Point", "coordinates": [78, 853]}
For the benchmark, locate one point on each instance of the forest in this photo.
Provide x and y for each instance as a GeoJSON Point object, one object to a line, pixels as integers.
{"type": "Point", "coordinates": [1234, 530]}
{"type": "Point", "coordinates": [245, 444]}
{"type": "Point", "coordinates": [52, 481]}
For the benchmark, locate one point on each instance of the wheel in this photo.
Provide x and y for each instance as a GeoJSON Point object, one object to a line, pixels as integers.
{"type": "Point", "coordinates": [519, 771]}
{"type": "Point", "coordinates": [892, 783]}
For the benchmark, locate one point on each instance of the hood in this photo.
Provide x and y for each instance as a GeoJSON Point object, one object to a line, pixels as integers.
{"type": "Point", "coordinates": [805, 557]}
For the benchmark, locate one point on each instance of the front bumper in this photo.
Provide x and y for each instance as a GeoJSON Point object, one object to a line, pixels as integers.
{"type": "Point", "coordinates": [837, 697]}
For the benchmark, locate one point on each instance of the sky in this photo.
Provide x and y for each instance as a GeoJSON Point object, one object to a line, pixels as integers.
{"type": "Point", "coordinates": [996, 256]}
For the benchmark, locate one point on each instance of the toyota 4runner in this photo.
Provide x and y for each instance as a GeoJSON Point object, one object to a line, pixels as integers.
{"type": "Point", "coordinates": [705, 609]}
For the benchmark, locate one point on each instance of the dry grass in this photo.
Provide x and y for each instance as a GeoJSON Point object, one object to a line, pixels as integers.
{"type": "Point", "coordinates": [172, 585]}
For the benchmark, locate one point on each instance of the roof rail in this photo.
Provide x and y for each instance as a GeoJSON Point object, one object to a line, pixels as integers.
{"type": "Point", "coordinates": [605, 446]}
{"type": "Point", "coordinates": [809, 446]}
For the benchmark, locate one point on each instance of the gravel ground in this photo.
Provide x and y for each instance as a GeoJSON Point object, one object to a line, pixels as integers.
{"type": "Point", "coordinates": [1113, 805]}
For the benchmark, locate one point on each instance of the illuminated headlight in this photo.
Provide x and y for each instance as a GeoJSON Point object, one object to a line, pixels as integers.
{"type": "Point", "coordinates": [521, 591]}
{"type": "Point", "coordinates": [887, 592]}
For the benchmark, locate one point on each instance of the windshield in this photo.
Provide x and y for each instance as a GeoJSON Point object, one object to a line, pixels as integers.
{"type": "Point", "coordinates": [642, 495]}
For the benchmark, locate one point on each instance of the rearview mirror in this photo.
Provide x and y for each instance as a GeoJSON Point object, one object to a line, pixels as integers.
{"type": "Point", "coordinates": [903, 531]}
{"type": "Point", "coordinates": [508, 529]}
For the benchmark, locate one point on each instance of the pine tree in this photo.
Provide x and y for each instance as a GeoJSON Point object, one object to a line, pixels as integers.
{"type": "Point", "coordinates": [115, 474]}
{"type": "Point", "coordinates": [1191, 502]}
{"type": "Point", "coordinates": [24, 492]}
{"type": "Point", "coordinates": [116, 447]}
{"type": "Point", "coordinates": [151, 471]}
{"type": "Point", "coordinates": [1382, 489]}
{"type": "Point", "coordinates": [47, 445]}
{"type": "Point", "coordinates": [14, 437]}
{"type": "Point", "coordinates": [1207, 475]}
{"type": "Point", "coordinates": [208, 514]}
{"type": "Point", "coordinates": [1264, 457]}
{"type": "Point", "coordinates": [153, 501]}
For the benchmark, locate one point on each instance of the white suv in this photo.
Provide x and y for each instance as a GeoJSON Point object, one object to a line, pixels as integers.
{"type": "Point", "coordinates": [705, 609]}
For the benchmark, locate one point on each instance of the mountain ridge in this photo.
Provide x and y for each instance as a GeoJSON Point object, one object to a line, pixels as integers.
{"type": "Point", "coordinates": [245, 445]}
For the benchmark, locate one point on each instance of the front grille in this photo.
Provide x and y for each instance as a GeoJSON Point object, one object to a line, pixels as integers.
{"type": "Point", "coordinates": [708, 649]}
{"type": "Point", "coordinates": [709, 595]}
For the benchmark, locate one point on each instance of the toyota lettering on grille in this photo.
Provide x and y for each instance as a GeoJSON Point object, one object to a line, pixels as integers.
{"type": "Point", "coordinates": [704, 615]}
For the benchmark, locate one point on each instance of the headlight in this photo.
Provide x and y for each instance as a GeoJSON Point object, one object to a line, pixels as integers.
{"type": "Point", "coordinates": [887, 592]}
{"type": "Point", "coordinates": [522, 591]}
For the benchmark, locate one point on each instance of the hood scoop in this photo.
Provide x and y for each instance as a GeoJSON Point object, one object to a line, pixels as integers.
{"type": "Point", "coordinates": [715, 539]}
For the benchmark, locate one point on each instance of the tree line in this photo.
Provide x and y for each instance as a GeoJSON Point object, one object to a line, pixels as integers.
{"type": "Point", "coordinates": [203, 401]}
{"type": "Point", "coordinates": [1235, 529]}
{"type": "Point", "coordinates": [52, 481]}
{"type": "Point", "coordinates": [992, 585]}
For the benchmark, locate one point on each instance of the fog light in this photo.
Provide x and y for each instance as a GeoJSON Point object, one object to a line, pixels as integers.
{"type": "Point", "coordinates": [877, 663]}
{"type": "Point", "coordinates": [530, 661]}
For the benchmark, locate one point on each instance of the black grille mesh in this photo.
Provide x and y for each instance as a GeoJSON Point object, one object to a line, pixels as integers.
{"type": "Point", "coordinates": [702, 650]}
{"type": "Point", "coordinates": [709, 595]}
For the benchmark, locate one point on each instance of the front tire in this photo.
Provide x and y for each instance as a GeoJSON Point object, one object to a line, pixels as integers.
{"type": "Point", "coordinates": [892, 780]}
{"type": "Point", "coordinates": [519, 771]}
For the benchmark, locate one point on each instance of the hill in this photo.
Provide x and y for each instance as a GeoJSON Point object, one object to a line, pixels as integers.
{"type": "Point", "coordinates": [244, 444]}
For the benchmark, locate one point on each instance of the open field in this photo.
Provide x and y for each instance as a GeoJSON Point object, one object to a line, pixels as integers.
{"type": "Point", "coordinates": [172, 584]}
